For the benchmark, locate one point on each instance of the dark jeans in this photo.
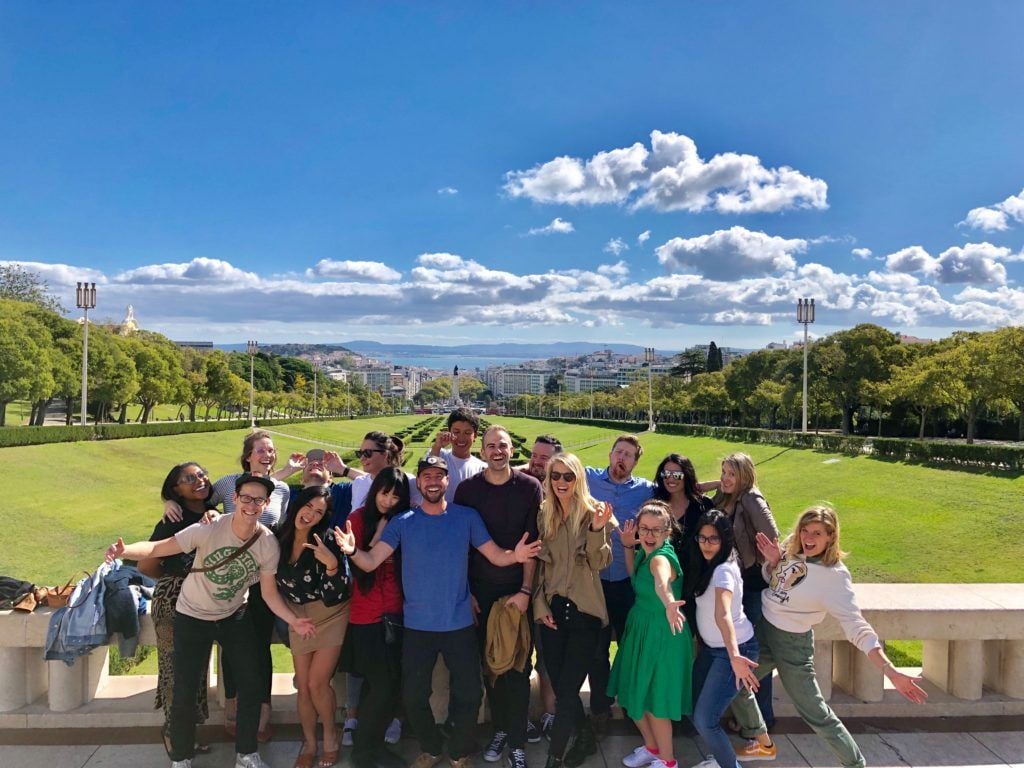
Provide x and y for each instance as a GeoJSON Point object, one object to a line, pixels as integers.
{"type": "Point", "coordinates": [509, 696]}
{"type": "Point", "coordinates": [714, 689]}
{"type": "Point", "coordinates": [618, 597]}
{"type": "Point", "coordinates": [381, 677]}
{"type": "Point", "coordinates": [458, 648]}
{"type": "Point", "coordinates": [752, 608]}
{"type": "Point", "coordinates": [568, 653]}
{"type": "Point", "coordinates": [193, 639]}
{"type": "Point", "coordinates": [263, 628]}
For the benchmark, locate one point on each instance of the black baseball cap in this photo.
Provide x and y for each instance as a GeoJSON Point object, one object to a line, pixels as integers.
{"type": "Point", "coordinates": [244, 478]}
{"type": "Point", "coordinates": [432, 462]}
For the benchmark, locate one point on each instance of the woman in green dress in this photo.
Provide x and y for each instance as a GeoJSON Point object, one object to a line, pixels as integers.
{"type": "Point", "coordinates": [652, 671]}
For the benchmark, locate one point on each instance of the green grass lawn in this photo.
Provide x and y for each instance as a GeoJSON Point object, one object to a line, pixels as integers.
{"type": "Point", "coordinates": [66, 502]}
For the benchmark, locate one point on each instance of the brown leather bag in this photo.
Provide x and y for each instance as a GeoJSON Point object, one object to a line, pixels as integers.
{"type": "Point", "coordinates": [58, 597]}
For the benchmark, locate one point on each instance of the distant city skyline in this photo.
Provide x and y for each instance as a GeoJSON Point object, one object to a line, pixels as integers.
{"type": "Point", "coordinates": [660, 175]}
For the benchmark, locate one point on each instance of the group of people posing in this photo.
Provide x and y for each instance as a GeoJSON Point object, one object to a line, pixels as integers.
{"type": "Point", "coordinates": [494, 568]}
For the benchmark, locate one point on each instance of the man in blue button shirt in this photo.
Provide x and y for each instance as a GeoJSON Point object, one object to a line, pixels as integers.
{"type": "Point", "coordinates": [626, 494]}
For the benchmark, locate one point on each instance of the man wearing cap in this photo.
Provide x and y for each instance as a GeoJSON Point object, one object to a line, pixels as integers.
{"type": "Point", "coordinates": [435, 538]}
{"type": "Point", "coordinates": [232, 553]}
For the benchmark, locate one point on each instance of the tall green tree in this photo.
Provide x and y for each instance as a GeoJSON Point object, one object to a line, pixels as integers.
{"type": "Point", "coordinates": [714, 358]}
{"type": "Point", "coordinates": [21, 284]}
{"type": "Point", "coordinates": [973, 365]}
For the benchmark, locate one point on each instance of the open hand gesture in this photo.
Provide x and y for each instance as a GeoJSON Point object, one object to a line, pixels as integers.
{"type": "Point", "coordinates": [345, 538]}
{"type": "Point", "coordinates": [602, 514]}
{"type": "Point", "coordinates": [627, 533]}
{"type": "Point", "coordinates": [675, 616]}
{"type": "Point", "coordinates": [297, 461]}
{"type": "Point", "coordinates": [322, 552]}
{"type": "Point", "coordinates": [333, 462]}
{"type": "Point", "coordinates": [769, 549]}
{"type": "Point", "coordinates": [524, 551]}
{"type": "Point", "coordinates": [743, 670]}
{"type": "Point", "coordinates": [114, 551]}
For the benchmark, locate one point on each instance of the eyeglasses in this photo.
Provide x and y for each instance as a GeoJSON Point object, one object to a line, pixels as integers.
{"type": "Point", "coordinates": [645, 531]}
{"type": "Point", "coordinates": [259, 501]}
{"type": "Point", "coordinates": [707, 539]}
{"type": "Point", "coordinates": [193, 477]}
{"type": "Point", "coordinates": [365, 453]}
{"type": "Point", "coordinates": [671, 474]}
{"type": "Point", "coordinates": [567, 476]}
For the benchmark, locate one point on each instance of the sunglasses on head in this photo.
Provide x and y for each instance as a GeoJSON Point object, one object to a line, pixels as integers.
{"type": "Point", "coordinates": [567, 476]}
{"type": "Point", "coordinates": [365, 453]}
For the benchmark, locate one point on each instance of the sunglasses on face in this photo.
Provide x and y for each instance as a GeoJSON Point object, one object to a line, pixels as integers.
{"type": "Point", "coordinates": [193, 477]}
{"type": "Point", "coordinates": [567, 476]}
{"type": "Point", "coordinates": [365, 453]}
{"type": "Point", "coordinates": [707, 539]}
{"type": "Point", "coordinates": [259, 501]}
{"type": "Point", "coordinates": [671, 474]}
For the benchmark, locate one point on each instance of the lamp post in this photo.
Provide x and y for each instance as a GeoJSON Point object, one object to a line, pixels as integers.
{"type": "Point", "coordinates": [316, 372]}
{"type": "Point", "coordinates": [250, 347]}
{"type": "Point", "coordinates": [559, 399]}
{"type": "Point", "coordinates": [85, 299]}
{"type": "Point", "coordinates": [649, 357]}
{"type": "Point", "coordinates": [805, 315]}
{"type": "Point", "coordinates": [591, 395]}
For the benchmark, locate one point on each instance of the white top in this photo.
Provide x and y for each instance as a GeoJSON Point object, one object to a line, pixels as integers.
{"type": "Point", "coordinates": [217, 594]}
{"type": "Point", "coordinates": [800, 592]}
{"type": "Point", "coordinates": [361, 486]}
{"type": "Point", "coordinates": [727, 576]}
{"type": "Point", "coordinates": [459, 470]}
{"type": "Point", "coordinates": [272, 514]}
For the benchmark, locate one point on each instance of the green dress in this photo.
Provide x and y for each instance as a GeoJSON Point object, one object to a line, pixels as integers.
{"type": "Point", "coordinates": [653, 668]}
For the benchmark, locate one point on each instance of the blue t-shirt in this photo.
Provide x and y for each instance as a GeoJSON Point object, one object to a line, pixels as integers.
{"type": "Point", "coordinates": [435, 565]}
{"type": "Point", "coordinates": [626, 499]}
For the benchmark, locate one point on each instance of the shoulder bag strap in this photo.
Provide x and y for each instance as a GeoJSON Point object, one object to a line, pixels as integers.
{"type": "Point", "coordinates": [233, 556]}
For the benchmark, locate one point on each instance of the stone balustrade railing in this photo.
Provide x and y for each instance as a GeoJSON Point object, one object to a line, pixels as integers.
{"type": "Point", "coordinates": [973, 663]}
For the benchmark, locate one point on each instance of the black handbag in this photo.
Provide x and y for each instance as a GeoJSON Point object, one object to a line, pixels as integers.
{"type": "Point", "coordinates": [392, 628]}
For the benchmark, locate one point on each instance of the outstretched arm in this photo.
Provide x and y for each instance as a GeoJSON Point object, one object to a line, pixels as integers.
{"type": "Point", "coordinates": [142, 550]}
{"type": "Point", "coordinates": [268, 587]}
{"type": "Point", "coordinates": [505, 557]}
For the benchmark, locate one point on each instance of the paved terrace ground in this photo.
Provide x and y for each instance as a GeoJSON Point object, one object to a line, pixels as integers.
{"type": "Point", "coordinates": [797, 749]}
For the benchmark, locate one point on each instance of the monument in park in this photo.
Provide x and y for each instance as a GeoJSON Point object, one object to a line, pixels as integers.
{"type": "Point", "coordinates": [456, 399]}
{"type": "Point", "coordinates": [128, 325]}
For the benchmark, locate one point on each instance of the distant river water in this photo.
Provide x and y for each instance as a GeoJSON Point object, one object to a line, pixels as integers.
{"type": "Point", "coordinates": [447, 363]}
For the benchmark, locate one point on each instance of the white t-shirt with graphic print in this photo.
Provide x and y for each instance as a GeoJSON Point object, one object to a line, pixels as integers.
{"type": "Point", "coordinates": [217, 594]}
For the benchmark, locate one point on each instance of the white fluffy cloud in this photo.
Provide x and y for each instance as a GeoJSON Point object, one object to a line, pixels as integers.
{"type": "Point", "coordinates": [354, 270]}
{"type": "Point", "coordinates": [975, 263]}
{"type": "Point", "coordinates": [558, 226]}
{"type": "Point", "coordinates": [615, 246]}
{"type": "Point", "coordinates": [671, 176]}
{"type": "Point", "coordinates": [447, 191]}
{"type": "Point", "coordinates": [862, 253]}
{"type": "Point", "coordinates": [199, 270]}
{"type": "Point", "coordinates": [643, 237]}
{"type": "Point", "coordinates": [730, 253]}
{"type": "Point", "coordinates": [618, 269]}
{"type": "Point", "coordinates": [997, 218]}
{"type": "Point", "coordinates": [914, 258]}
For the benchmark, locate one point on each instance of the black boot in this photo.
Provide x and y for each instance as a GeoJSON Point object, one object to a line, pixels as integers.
{"type": "Point", "coordinates": [584, 746]}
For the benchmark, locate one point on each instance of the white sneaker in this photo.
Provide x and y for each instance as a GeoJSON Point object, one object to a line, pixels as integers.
{"type": "Point", "coordinates": [708, 762]}
{"type": "Point", "coordinates": [393, 734]}
{"type": "Point", "coordinates": [638, 758]}
{"type": "Point", "coordinates": [252, 760]}
{"type": "Point", "coordinates": [186, 763]}
{"type": "Point", "coordinates": [350, 728]}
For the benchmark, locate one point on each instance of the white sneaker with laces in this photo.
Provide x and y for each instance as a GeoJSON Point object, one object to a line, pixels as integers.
{"type": "Point", "coordinates": [708, 762]}
{"type": "Point", "coordinates": [186, 763]}
{"type": "Point", "coordinates": [638, 758]}
{"type": "Point", "coordinates": [394, 732]}
{"type": "Point", "coordinates": [350, 728]}
{"type": "Point", "coordinates": [252, 760]}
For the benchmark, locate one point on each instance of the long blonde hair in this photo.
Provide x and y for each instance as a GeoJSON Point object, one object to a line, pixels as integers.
{"type": "Point", "coordinates": [582, 505]}
{"type": "Point", "coordinates": [746, 480]}
{"type": "Point", "coordinates": [819, 513]}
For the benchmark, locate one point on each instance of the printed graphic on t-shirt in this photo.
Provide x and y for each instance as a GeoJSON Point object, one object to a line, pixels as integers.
{"type": "Point", "coordinates": [233, 577]}
{"type": "Point", "coordinates": [787, 574]}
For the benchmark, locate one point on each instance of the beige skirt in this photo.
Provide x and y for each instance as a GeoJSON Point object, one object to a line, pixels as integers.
{"type": "Point", "coordinates": [331, 623]}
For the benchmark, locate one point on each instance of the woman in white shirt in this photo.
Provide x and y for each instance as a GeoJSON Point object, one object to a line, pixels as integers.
{"type": "Point", "coordinates": [807, 580]}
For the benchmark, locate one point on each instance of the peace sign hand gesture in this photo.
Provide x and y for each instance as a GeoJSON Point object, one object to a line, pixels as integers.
{"type": "Point", "coordinates": [345, 538]}
{"type": "Point", "coordinates": [602, 514]}
{"type": "Point", "coordinates": [322, 553]}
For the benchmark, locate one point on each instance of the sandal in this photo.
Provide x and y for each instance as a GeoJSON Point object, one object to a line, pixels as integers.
{"type": "Point", "coordinates": [305, 760]}
{"type": "Point", "coordinates": [329, 758]}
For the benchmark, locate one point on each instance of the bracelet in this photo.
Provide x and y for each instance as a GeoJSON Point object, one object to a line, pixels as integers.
{"type": "Point", "coordinates": [526, 591]}
{"type": "Point", "coordinates": [332, 573]}
{"type": "Point", "coordinates": [345, 473]}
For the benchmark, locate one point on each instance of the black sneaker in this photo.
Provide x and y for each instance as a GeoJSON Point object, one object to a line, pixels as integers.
{"type": "Point", "coordinates": [516, 758]}
{"type": "Point", "coordinates": [582, 747]}
{"type": "Point", "coordinates": [533, 734]}
{"type": "Point", "coordinates": [547, 722]}
{"type": "Point", "coordinates": [493, 752]}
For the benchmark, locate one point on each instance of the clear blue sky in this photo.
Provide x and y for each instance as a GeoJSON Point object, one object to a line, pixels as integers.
{"type": "Point", "coordinates": [662, 173]}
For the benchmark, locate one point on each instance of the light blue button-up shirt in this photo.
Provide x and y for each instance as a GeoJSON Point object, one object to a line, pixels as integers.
{"type": "Point", "coordinates": [626, 499]}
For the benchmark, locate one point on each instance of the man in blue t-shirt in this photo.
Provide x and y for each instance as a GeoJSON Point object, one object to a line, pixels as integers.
{"type": "Point", "coordinates": [435, 540]}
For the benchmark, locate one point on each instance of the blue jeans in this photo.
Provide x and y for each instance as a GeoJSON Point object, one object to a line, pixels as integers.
{"type": "Point", "coordinates": [712, 671]}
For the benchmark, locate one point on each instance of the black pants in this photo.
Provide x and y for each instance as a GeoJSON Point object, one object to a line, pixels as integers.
{"type": "Point", "coordinates": [509, 696]}
{"type": "Point", "coordinates": [458, 648]}
{"type": "Point", "coordinates": [618, 597]}
{"type": "Point", "coordinates": [568, 654]}
{"type": "Point", "coordinates": [193, 639]}
{"type": "Point", "coordinates": [380, 668]}
{"type": "Point", "coordinates": [263, 628]}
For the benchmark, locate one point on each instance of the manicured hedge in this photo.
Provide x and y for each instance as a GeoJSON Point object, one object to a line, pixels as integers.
{"type": "Point", "coordinates": [995, 456]}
